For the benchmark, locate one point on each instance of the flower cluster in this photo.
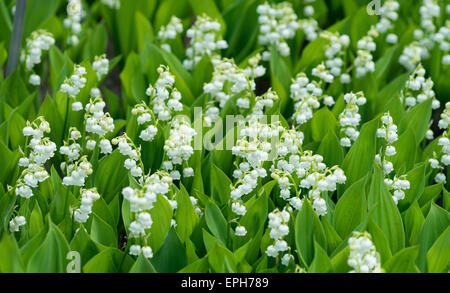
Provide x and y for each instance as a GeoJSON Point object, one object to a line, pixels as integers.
{"type": "Point", "coordinates": [71, 148]}
{"type": "Point", "coordinates": [317, 178]}
{"type": "Point", "coordinates": [364, 60]}
{"type": "Point", "coordinates": [363, 256]}
{"type": "Point", "coordinates": [442, 158]}
{"type": "Point", "coordinates": [101, 66]}
{"type": "Point", "coordinates": [73, 21]}
{"type": "Point", "coordinates": [388, 13]}
{"type": "Point", "coordinates": [252, 149]}
{"type": "Point", "coordinates": [228, 80]}
{"type": "Point", "coordinates": [398, 186]}
{"type": "Point", "coordinates": [205, 39]}
{"type": "Point", "coordinates": [306, 96]}
{"type": "Point", "coordinates": [278, 23]}
{"type": "Point", "coordinates": [267, 100]}
{"type": "Point", "coordinates": [88, 197]}
{"type": "Point", "coordinates": [323, 73]}
{"type": "Point", "coordinates": [279, 229]}
{"type": "Point", "coordinates": [73, 85]}
{"type": "Point", "coordinates": [97, 121]}
{"type": "Point", "coordinates": [388, 132]}
{"type": "Point", "coordinates": [127, 148]}
{"type": "Point", "coordinates": [418, 89]}
{"type": "Point", "coordinates": [38, 42]}
{"type": "Point", "coordinates": [164, 97]}
{"type": "Point", "coordinates": [170, 32]}
{"type": "Point", "coordinates": [412, 55]}
{"type": "Point", "coordinates": [254, 69]}
{"type": "Point", "coordinates": [16, 223]}
{"type": "Point", "coordinates": [335, 54]}
{"type": "Point", "coordinates": [144, 117]}
{"type": "Point", "coordinates": [77, 172]}
{"type": "Point", "coordinates": [141, 202]}
{"type": "Point", "coordinates": [445, 117]}
{"type": "Point", "coordinates": [41, 149]}
{"type": "Point", "coordinates": [349, 119]}
{"type": "Point", "coordinates": [310, 27]}
{"type": "Point", "coordinates": [443, 38]}
{"type": "Point", "coordinates": [424, 37]}
{"type": "Point", "coordinates": [178, 147]}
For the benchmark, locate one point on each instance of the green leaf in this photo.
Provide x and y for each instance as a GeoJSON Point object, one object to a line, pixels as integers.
{"type": "Point", "coordinates": [403, 261]}
{"type": "Point", "coordinates": [62, 199]}
{"type": "Point", "coordinates": [321, 262]}
{"type": "Point", "coordinates": [322, 123]}
{"type": "Point", "coordinates": [209, 8]}
{"type": "Point", "coordinates": [142, 265]}
{"type": "Point", "coordinates": [144, 30]}
{"type": "Point", "coordinates": [405, 146]}
{"type": "Point", "coordinates": [438, 257]}
{"type": "Point", "coordinates": [216, 223]}
{"type": "Point", "coordinates": [50, 257]}
{"type": "Point", "coordinates": [435, 224]}
{"type": "Point", "coordinates": [198, 266]}
{"type": "Point", "coordinates": [307, 230]}
{"type": "Point", "coordinates": [162, 215]}
{"type": "Point", "coordinates": [386, 214]}
{"type": "Point", "coordinates": [111, 176]}
{"type": "Point", "coordinates": [221, 184]}
{"type": "Point", "coordinates": [186, 217]}
{"type": "Point", "coordinates": [84, 245]}
{"type": "Point", "coordinates": [380, 241]}
{"type": "Point", "coordinates": [10, 258]}
{"type": "Point", "coordinates": [331, 149]}
{"type": "Point", "coordinates": [222, 260]}
{"type": "Point", "coordinates": [102, 232]}
{"type": "Point", "coordinates": [359, 160]}
{"type": "Point", "coordinates": [413, 220]}
{"type": "Point", "coordinates": [417, 120]}
{"type": "Point", "coordinates": [351, 208]}
{"type": "Point", "coordinates": [416, 177]}
{"type": "Point", "coordinates": [339, 261]}
{"type": "Point", "coordinates": [110, 260]}
{"type": "Point", "coordinates": [171, 257]}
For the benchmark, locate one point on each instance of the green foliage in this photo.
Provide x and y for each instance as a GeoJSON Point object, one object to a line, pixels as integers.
{"type": "Point", "coordinates": [194, 227]}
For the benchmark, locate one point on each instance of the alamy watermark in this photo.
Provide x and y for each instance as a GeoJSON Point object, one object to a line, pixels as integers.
{"type": "Point", "coordinates": [74, 265]}
{"type": "Point", "coordinates": [374, 7]}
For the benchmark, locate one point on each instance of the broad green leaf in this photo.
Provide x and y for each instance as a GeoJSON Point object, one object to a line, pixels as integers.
{"type": "Point", "coordinates": [102, 232]}
{"type": "Point", "coordinates": [50, 257]}
{"type": "Point", "coordinates": [171, 256]}
{"type": "Point", "coordinates": [403, 261]}
{"type": "Point", "coordinates": [386, 214]}
{"type": "Point", "coordinates": [220, 184]}
{"type": "Point", "coordinates": [110, 260]}
{"type": "Point", "coordinates": [351, 208]}
{"type": "Point", "coordinates": [436, 222]}
{"type": "Point", "coordinates": [413, 220]}
{"type": "Point", "coordinates": [142, 265]}
{"type": "Point", "coordinates": [10, 257]}
{"type": "Point", "coordinates": [321, 262]}
{"type": "Point", "coordinates": [359, 160]}
{"type": "Point", "coordinates": [216, 223]}
{"type": "Point", "coordinates": [417, 120]}
{"type": "Point", "coordinates": [438, 257]}
{"type": "Point", "coordinates": [307, 230]}
{"type": "Point", "coordinates": [186, 217]}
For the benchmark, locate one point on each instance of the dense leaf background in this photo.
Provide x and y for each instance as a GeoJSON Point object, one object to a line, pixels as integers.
{"type": "Point", "coordinates": [413, 236]}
